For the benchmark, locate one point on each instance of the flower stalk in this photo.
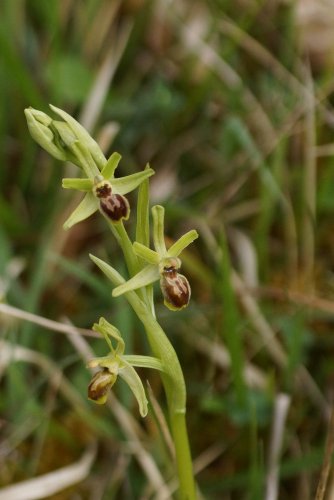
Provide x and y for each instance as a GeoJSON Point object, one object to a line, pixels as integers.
{"type": "Point", "coordinates": [66, 140]}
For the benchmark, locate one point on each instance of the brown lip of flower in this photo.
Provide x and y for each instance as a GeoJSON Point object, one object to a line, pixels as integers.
{"type": "Point", "coordinates": [175, 289]}
{"type": "Point", "coordinates": [100, 385]}
{"type": "Point", "coordinates": [116, 207]}
{"type": "Point", "coordinates": [113, 205]}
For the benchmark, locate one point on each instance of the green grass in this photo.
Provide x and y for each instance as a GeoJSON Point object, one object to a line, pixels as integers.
{"type": "Point", "coordinates": [217, 97]}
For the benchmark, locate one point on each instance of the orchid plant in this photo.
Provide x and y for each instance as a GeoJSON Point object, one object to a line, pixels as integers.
{"type": "Point", "coordinates": [65, 139]}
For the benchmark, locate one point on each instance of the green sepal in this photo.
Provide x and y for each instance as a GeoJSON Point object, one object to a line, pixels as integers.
{"type": "Point", "coordinates": [131, 377]}
{"type": "Point", "coordinates": [85, 209]}
{"type": "Point", "coordinates": [144, 361]}
{"type": "Point", "coordinates": [123, 185]}
{"type": "Point", "coordinates": [145, 277]}
{"type": "Point", "coordinates": [78, 184]}
{"type": "Point", "coordinates": [86, 161]}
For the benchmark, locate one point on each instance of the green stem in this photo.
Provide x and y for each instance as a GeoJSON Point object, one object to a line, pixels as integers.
{"type": "Point", "coordinates": [175, 389]}
{"type": "Point", "coordinates": [183, 456]}
{"type": "Point", "coordinates": [131, 258]}
{"type": "Point", "coordinates": [172, 379]}
{"type": "Point", "coordinates": [124, 241]}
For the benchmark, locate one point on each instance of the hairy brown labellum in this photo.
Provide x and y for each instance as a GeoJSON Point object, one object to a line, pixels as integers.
{"type": "Point", "coordinates": [175, 288]}
{"type": "Point", "coordinates": [100, 384]}
{"type": "Point", "coordinates": [114, 206]}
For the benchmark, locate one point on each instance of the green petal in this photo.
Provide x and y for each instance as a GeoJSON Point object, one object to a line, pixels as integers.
{"type": "Point", "coordinates": [146, 253]}
{"type": "Point", "coordinates": [85, 209]}
{"type": "Point", "coordinates": [106, 329]}
{"type": "Point", "coordinates": [158, 213]}
{"type": "Point", "coordinates": [78, 184]}
{"type": "Point", "coordinates": [182, 243]}
{"type": "Point", "coordinates": [124, 185]}
{"type": "Point", "coordinates": [111, 165]}
{"type": "Point", "coordinates": [83, 136]}
{"type": "Point", "coordinates": [130, 376]}
{"type": "Point", "coordinates": [145, 277]}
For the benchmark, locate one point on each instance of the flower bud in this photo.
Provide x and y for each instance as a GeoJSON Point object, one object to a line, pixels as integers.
{"type": "Point", "coordinates": [100, 385]}
{"type": "Point", "coordinates": [65, 139]}
{"type": "Point", "coordinates": [83, 137]}
{"type": "Point", "coordinates": [39, 128]}
{"type": "Point", "coordinates": [63, 134]}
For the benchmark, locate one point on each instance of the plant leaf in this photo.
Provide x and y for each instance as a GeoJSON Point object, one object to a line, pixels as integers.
{"type": "Point", "coordinates": [108, 270]}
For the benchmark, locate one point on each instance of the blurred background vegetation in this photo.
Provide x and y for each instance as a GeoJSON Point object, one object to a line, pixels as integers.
{"type": "Point", "coordinates": [231, 103]}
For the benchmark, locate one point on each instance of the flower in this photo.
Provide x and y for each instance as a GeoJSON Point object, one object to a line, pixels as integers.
{"type": "Point", "coordinates": [67, 140]}
{"type": "Point", "coordinates": [162, 265]}
{"type": "Point", "coordinates": [104, 192]}
{"type": "Point", "coordinates": [117, 364]}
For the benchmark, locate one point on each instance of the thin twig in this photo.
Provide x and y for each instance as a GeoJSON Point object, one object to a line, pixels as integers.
{"type": "Point", "coordinates": [282, 404]}
{"type": "Point", "coordinates": [53, 482]}
{"type": "Point", "coordinates": [49, 324]}
{"type": "Point", "coordinates": [309, 191]}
